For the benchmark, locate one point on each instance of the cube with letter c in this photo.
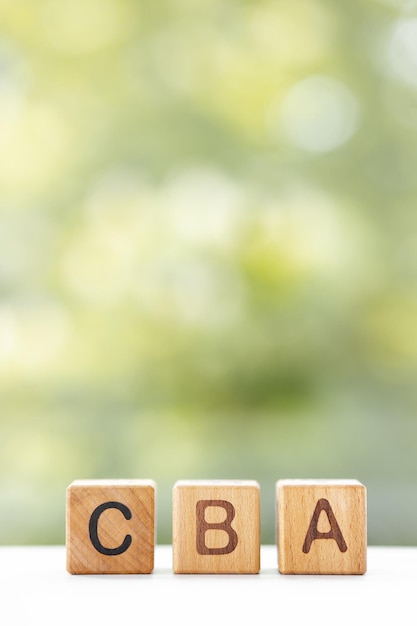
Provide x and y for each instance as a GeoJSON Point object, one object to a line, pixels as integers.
{"type": "Point", "coordinates": [110, 526]}
{"type": "Point", "coordinates": [216, 527]}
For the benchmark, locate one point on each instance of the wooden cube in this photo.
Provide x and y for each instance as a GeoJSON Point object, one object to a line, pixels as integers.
{"type": "Point", "coordinates": [321, 526]}
{"type": "Point", "coordinates": [110, 527]}
{"type": "Point", "coordinates": [216, 527]}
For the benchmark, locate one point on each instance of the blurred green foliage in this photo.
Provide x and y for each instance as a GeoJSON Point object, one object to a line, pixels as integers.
{"type": "Point", "coordinates": [208, 238]}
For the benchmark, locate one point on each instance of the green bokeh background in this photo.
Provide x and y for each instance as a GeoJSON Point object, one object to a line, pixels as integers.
{"type": "Point", "coordinates": [208, 235]}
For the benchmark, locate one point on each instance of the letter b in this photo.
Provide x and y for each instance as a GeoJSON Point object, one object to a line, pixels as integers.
{"type": "Point", "coordinates": [202, 526]}
{"type": "Point", "coordinates": [216, 527]}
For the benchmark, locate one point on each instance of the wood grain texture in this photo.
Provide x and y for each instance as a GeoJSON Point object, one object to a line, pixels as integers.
{"type": "Point", "coordinates": [321, 526]}
{"type": "Point", "coordinates": [216, 527]}
{"type": "Point", "coordinates": [110, 527]}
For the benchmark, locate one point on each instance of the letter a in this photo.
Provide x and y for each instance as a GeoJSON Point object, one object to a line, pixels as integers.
{"type": "Point", "coordinates": [334, 532]}
{"type": "Point", "coordinates": [203, 526]}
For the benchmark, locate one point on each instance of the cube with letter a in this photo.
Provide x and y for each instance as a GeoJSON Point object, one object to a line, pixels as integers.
{"type": "Point", "coordinates": [216, 527]}
{"type": "Point", "coordinates": [321, 526]}
{"type": "Point", "coordinates": [110, 527]}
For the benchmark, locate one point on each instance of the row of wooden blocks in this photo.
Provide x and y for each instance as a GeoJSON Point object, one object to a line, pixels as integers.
{"type": "Point", "coordinates": [321, 527]}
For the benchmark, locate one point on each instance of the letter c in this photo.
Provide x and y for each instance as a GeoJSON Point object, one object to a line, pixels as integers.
{"type": "Point", "coordinates": [93, 528]}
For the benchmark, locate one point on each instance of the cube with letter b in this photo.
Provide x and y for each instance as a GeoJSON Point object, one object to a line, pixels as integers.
{"type": "Point", "coordinates": [110, 527]}
{"type": "Point", "coordinates": [321, 526]}
{"type": "Point", "coordinates": [216, 527]}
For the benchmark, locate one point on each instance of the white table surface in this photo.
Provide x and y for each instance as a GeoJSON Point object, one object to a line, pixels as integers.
{"type": "Point", "coordinates": [35, 588]}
